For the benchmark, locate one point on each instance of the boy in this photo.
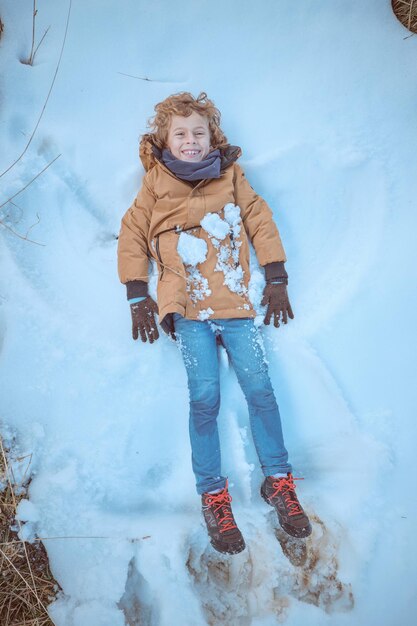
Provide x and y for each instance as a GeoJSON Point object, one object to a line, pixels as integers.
{"type": "Point", "coordinates": [194, 215]}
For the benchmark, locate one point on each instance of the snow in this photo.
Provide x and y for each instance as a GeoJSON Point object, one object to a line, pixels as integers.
{"type": "Point", "coordinates": [232, 214]}
{"type": "Point", "coordinates": [233, 276]}
{"type": "Point", "coordinates": [215, 226]}
{"type": "Point", "coordinates": [204, 314]}
{"type": "Point", "coordinates": [228, 263]}
{"type": "Point", "coordinates": [191, 249]}
{"type": "Point", "coordinates": [26, 511]}
{"type": "Point", "coordinates": [227, 254]}
{"type": "Point", "coordinates": [322, 103]}
{"type": "Point", "coordinates": [197, 285]}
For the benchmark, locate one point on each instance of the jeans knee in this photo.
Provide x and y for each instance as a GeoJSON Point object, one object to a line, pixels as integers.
{"type": "Point", "coordinates": [261, 398]}
{"type": "Point", "coordinates": [204, 408]}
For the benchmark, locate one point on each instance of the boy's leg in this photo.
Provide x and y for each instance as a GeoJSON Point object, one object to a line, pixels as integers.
{"type": "Point", "coordinates": [197, 344]}
{"type": "Point", "coordinates": [244, 346]}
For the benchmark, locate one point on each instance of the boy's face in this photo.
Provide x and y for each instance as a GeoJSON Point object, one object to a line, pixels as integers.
{"type": "Point", "coordinates": [189, 137]}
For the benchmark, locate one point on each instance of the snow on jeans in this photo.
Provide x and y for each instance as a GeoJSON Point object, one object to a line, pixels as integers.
{"type": "Point", "coordinates": [197, 342]}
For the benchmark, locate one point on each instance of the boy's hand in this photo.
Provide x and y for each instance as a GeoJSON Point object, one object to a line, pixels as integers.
{"type": "Point", "coordinates": [143, 320]}
{"type": "Point", "coordinates": [167, 324]}
{"type": "Point", "coordinates": [276, 297]}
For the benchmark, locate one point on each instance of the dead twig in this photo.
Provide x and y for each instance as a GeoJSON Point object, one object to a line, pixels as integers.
{"type": "Point", "coordinates": [24, 237]}
{"type": "Point", "coordinates": [9, 480]}
{"type": "Point", "coordinates": [150, 80]}
{"type": "Point", "coordinates": [33, 32]}
{"type": "Point", "coordinates": [47, 97]}
{"type": "Point", "coordinates": [30, 182]}
{"type": "Point", "coordinates": [42, 38]}
{"type": "Point", "coordinates": [31, 59]}
{"type": "Point", "coordinates": [34, 591]}
{"type": "Point", "coordinates": [138, 77]}
{"type": "Point", "coordinates": [26, 583]}
{"type": "Point", "coordinates": [406, 12]}
{"type": "Point", "coordinates": [33, 226]}
{"type": "Point", "coordinates": [130, 539]}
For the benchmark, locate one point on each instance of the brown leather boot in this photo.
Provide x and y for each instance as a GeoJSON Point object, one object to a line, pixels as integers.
{"type": "Point", "coordinates": [280, 493]}
{"type": "Point", "coordinates": [224, 534]}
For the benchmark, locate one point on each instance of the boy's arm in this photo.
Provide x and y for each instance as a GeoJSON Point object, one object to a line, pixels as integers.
{"type": "Point", "coordinates": [133, 261]}
{"type": "Point", "coordinates": [258, 221]}
{"type": "Point", "coordinates": [132, 251]}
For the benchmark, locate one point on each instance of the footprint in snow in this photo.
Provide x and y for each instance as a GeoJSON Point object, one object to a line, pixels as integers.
{"type": "Point", "coordinates": [264, 578]}
{"type": "Point", "coordinates": [316, 565]}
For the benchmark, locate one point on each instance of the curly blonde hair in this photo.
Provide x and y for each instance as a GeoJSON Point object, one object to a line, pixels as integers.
{"type": "Point", "coordinates": [184, 103]}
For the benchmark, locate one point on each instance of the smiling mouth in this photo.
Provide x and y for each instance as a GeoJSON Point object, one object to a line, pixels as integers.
{"type": "Point", "coordinates": [191, 152]}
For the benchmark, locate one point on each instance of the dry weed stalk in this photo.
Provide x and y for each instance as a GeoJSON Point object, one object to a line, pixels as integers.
{"type": "Point", "coordinates": [25, 237]}
{"type": "Point", "coordinates": [10, 200]}
{"type": "Point", "coordinates": [34, 50]}
{"type": "Point", "coordinates": [26, 583]}
{"type": "Point", "coordinates": [406, 11]}
{"type": "Point", "coordinates": [47, 97]}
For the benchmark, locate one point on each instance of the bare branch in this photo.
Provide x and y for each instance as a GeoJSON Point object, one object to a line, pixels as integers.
{"type": "Point", "coordinates": [36, 49]}
{"type": "Point", "coordinates": [130, 539]}
{"type": "Point", "coordinates": [154, 80]}
{"type": "Point", "coordinates": [33, 225]}
{"type": "Point", "coordinates": [47, 97]}
{"type": "Point", "coordinates": [25, 237]}
{"type": "Point", "coordinates": [30, 182]}
{"type": "Point", "coordinates": [7, 216]}
{"type": "Point", "coordinates": [9, 480]}
{"type": "Point", "coordinates": [30, 61]}
{"type": "Point", "coordinates": [138, 77]}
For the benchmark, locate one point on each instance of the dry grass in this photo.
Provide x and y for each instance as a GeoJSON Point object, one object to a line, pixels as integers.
{"type": "Point", "coordinates": [26, 583]}
{"type": "Point", "coordinates": [406, 11]}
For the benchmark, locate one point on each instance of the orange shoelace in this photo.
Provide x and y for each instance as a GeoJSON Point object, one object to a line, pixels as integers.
{"type": "Point", "coordinates": [287, 488]}
{"type": "Point", "coordinates": [221, 503]}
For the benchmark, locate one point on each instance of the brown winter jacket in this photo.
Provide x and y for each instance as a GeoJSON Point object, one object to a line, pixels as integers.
{"type": "Point", "coordinates": [167, 205]}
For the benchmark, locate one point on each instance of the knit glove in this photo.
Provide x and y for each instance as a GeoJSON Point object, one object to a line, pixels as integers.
{"type": "Point", "coordinates": [276, 297]}
{"type": "Point", "coordinates": [143, 320]}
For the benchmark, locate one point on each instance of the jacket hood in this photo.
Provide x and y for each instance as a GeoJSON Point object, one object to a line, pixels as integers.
{"type": "Point", "coordinates": [150, 154]}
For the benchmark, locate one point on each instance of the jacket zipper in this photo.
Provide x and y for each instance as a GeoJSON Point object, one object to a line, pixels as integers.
{"type": "Point", "coordinates": [178, 230]}
{"type": "Point", "coordinates": [158, 254]}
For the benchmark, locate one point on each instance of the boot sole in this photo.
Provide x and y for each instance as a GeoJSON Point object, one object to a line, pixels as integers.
{"type": "Point", "coordinates": [232, 549]}
{"type": "Point", "coordinates": [298, 533]}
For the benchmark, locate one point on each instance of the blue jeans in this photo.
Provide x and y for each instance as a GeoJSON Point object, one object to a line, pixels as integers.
{"type": "Point", "coordinates": [197, 342]}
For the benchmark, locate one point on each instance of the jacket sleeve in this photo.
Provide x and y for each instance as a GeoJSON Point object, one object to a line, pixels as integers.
{"type": "Point", "coordinates": [132, 250]}
{"type": "Point", "coordinates": [258, 221]}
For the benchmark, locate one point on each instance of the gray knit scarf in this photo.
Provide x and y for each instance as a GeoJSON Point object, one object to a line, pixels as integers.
{"type": "Point", "coordinates": [209, 167]}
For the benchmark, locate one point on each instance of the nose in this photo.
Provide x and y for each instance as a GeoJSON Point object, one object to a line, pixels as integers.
{"type": "Point", "coordinates": [190, 138]}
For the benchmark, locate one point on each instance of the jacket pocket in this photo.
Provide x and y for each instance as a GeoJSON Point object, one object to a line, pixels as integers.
{"type": "Point", "coordinates": [167, 255]}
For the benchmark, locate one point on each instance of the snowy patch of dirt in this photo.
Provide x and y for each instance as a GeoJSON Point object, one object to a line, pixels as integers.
{"type": "Point", "coordinates": [268, 575]}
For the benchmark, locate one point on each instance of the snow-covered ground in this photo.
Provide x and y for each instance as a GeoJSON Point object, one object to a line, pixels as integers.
{"type": "Point", "coordinates": [321, 98]}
